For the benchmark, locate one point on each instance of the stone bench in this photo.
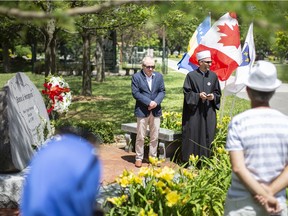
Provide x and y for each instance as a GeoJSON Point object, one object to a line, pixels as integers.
{"type": "Point", "coordinates": [127, 69]}
{"type": "Point", "coordinates": [169, 140]}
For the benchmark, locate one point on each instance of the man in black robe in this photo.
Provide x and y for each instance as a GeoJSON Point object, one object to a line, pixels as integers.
{"type": "Point", "coordinates": [202, 95]}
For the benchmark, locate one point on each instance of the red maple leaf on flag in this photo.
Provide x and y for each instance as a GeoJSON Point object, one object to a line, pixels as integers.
{"type": "Point", "coordinates": [232, 36]}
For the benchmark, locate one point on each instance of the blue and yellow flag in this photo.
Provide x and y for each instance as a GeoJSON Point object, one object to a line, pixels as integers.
{"type": "Point", "coordinates": [201, 30]}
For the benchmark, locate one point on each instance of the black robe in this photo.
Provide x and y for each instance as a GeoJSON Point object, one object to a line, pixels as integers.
{"type": "Point", "coordinates": [199, 118]}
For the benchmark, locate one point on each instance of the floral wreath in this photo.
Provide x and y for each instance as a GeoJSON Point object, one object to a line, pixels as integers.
{"type": "Point", "coordinates": [58, 93]}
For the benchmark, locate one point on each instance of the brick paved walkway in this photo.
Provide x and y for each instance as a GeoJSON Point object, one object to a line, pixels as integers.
{"type": "Point", "coordinates": [115, 159]}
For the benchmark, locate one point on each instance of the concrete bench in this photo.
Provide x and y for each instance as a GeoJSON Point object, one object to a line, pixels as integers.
{"type": "Point", "coordinates": [169, 140]}
{"type": "Point", "coordinates": [128, 70]}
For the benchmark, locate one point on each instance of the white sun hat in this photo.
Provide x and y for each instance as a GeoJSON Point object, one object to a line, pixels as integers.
{"type": "Point", "coordinates": [263, 77]}
{"type": "Point", "coordinates": [203, 54]}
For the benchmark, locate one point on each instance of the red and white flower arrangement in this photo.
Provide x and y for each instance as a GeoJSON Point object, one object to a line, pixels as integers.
{"type": "Point", "coordinates": [58, 93]}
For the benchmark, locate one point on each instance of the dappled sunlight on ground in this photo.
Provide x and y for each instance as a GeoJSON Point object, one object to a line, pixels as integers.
{"type": "Point", "coordinates": [83, 99]}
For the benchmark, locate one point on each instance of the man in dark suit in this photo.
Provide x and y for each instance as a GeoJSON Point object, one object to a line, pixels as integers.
{"type": "Point", "coordinates": [148, 89]}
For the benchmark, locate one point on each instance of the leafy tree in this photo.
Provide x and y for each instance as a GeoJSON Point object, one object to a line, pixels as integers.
{"type": "Point", "coordinates": [133, 28]}
{"type": "Point", "coordinates": [9, 29]}
{"type": "Point", "coordinates": [97, 26]}
{"type": "Point", "coordinates": [33, 37]}
{"type": "Point", "coordinates": [262, 46]}
{"type": "Point", "coordinates": [281, 45]}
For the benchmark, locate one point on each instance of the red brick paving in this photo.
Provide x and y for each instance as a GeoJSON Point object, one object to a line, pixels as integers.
{"type": "Point", "coordinates": [9, 212]}
{"type": "Point", "coordinates": [115, 159]}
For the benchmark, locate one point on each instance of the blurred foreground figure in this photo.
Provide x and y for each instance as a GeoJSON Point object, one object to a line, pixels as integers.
{"type": "Point", "coordinates": [63, 179]}
{"type": "Point", "coordinates": [257, 142]}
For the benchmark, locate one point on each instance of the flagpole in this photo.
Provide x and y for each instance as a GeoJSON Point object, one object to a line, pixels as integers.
{"type": "Point", "coordinates": [222, 104]}
{"type": "Point", "coordinates": [233, 104]}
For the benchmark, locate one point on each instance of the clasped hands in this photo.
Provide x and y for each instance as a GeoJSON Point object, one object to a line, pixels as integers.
{"type": "Point", "coordinates": [152, 105]}
{"type": "Point", "coordinates": [204, 96]}
{"type": "Point", "coordinates": [270, 203]}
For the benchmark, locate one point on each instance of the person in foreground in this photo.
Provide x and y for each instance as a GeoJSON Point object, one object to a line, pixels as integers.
{"type": "Point", "coordinates": [202, 95]}
{"type": "Point", "coordinates": [257, 142]}
{"type": "Point", "coordinates": [148, 90]}
{"type": "Point", "coordinates": [63, 179]}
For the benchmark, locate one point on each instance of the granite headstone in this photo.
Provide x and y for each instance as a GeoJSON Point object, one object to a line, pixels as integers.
{"type": "Point", "coordinates": [23, 122]}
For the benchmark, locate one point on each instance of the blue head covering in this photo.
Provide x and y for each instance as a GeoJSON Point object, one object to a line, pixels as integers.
{"type": "Point", "coordinates": [63, 179]}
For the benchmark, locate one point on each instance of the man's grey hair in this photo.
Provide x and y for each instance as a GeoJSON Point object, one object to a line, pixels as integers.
{"type": "Point", "coordinates": [261, 96]}
{"type": "Point", "coordinates": [147, 58]}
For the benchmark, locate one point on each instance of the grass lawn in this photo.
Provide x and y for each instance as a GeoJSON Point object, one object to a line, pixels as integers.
{"type": "Point", "coordinates": [112, 100]}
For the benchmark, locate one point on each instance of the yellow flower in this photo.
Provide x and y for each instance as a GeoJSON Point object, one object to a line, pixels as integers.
{"type": "Point", "coordinates": [142, 212]}
{"type": "Point", "coordinates": [145, 172]}
{"type": "Point", "coordinates": [123, 181]}
{"type": "Point", "coordinates": [172, 198]}
{"type": "Point", "coordinates": [125, 172]}
{"type": "Point", "coordinates": [128, 178]}
{"type": "Point", "coordinates": [166, 174]}
{"type": "Point", "coordinates": [118, 201]}
{"type": "Point", "coordinates": [167, 190]}
{"type": "Point", "coordinates": [219, 126]}
{"type": "Point", "coordinates": [137, 180]}
{"type": "Point", "coordinates": [152, 213]}
{"type": "Point", "coordinates": [160, 185]}
{"type": "Point", "coordinates": [188, 173]}
{"type": "Point", "coordinates": [220, 150]}
{"type": "Point", "coordinates": [155, 161]}
{"type": "Point", "coordinates": [193, 158]}
{"type": "Point", "coordinates": [165, 114]}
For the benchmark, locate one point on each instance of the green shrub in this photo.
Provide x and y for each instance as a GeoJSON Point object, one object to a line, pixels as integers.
{"type": "Point", "coordinates": [102, 129]}
{"type": "Point", "coordinates": [22, 51]}
{"type": "Point", "coordinates": [39, 67]}
{"type": "Point", "coordinates": [171, 120]}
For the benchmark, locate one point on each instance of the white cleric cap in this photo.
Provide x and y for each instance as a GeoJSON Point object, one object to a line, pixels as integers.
{"type": "Point", "coordinates": [203, 54]}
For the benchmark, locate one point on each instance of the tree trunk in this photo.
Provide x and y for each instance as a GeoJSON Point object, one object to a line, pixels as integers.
{"type": "Point", "coordinates": [53, 54]}
{"type": "Point", "coordinates": [99, 61]}
{"type": "Point", "coordinates": [103, 71]}
{"type": "Point", "coordinates": [86, 79]}
{"type": "Point", "coordinates": [6, 59]}
{"type": "Point", "coordinates": [50, 53]}
{"type": "Point", "coordinates": [34, 55]}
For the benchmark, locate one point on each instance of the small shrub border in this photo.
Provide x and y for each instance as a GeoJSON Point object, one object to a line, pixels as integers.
{"type": "Point", "coordinates": [103, 129]}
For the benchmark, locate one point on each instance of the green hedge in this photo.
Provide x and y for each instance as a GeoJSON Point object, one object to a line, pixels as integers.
{"type": "Point", "coordinates": [103, 129]}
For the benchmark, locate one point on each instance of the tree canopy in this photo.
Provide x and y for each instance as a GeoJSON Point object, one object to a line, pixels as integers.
{"type": "Point", "coordinates": [137, 23]}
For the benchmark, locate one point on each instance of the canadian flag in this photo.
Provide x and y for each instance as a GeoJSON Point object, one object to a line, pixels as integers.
{"type": "Point", "coordinates": [223, 41]}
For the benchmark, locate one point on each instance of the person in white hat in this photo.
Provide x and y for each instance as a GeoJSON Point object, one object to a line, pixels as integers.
{"type": "Point", "coordinates": [202, 95]}
{"type": "Point", "coordinates": [257, 143]}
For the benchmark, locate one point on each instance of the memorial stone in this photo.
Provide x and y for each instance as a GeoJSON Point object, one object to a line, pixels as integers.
{"type": "Point", "coordinates": [23, 122]}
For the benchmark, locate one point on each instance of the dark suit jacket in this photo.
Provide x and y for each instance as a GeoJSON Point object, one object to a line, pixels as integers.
{"type": "Point", "coordinates": [143, 95]}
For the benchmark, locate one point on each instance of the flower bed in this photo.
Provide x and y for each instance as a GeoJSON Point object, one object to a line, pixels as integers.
{"type": "Point", "coordinates": [180, 191]}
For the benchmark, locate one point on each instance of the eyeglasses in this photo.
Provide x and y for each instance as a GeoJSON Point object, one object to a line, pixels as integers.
{"type": "Point", "coordinates": [149, 67]}
{"type": "Point", "coordinates": [207, 62]}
